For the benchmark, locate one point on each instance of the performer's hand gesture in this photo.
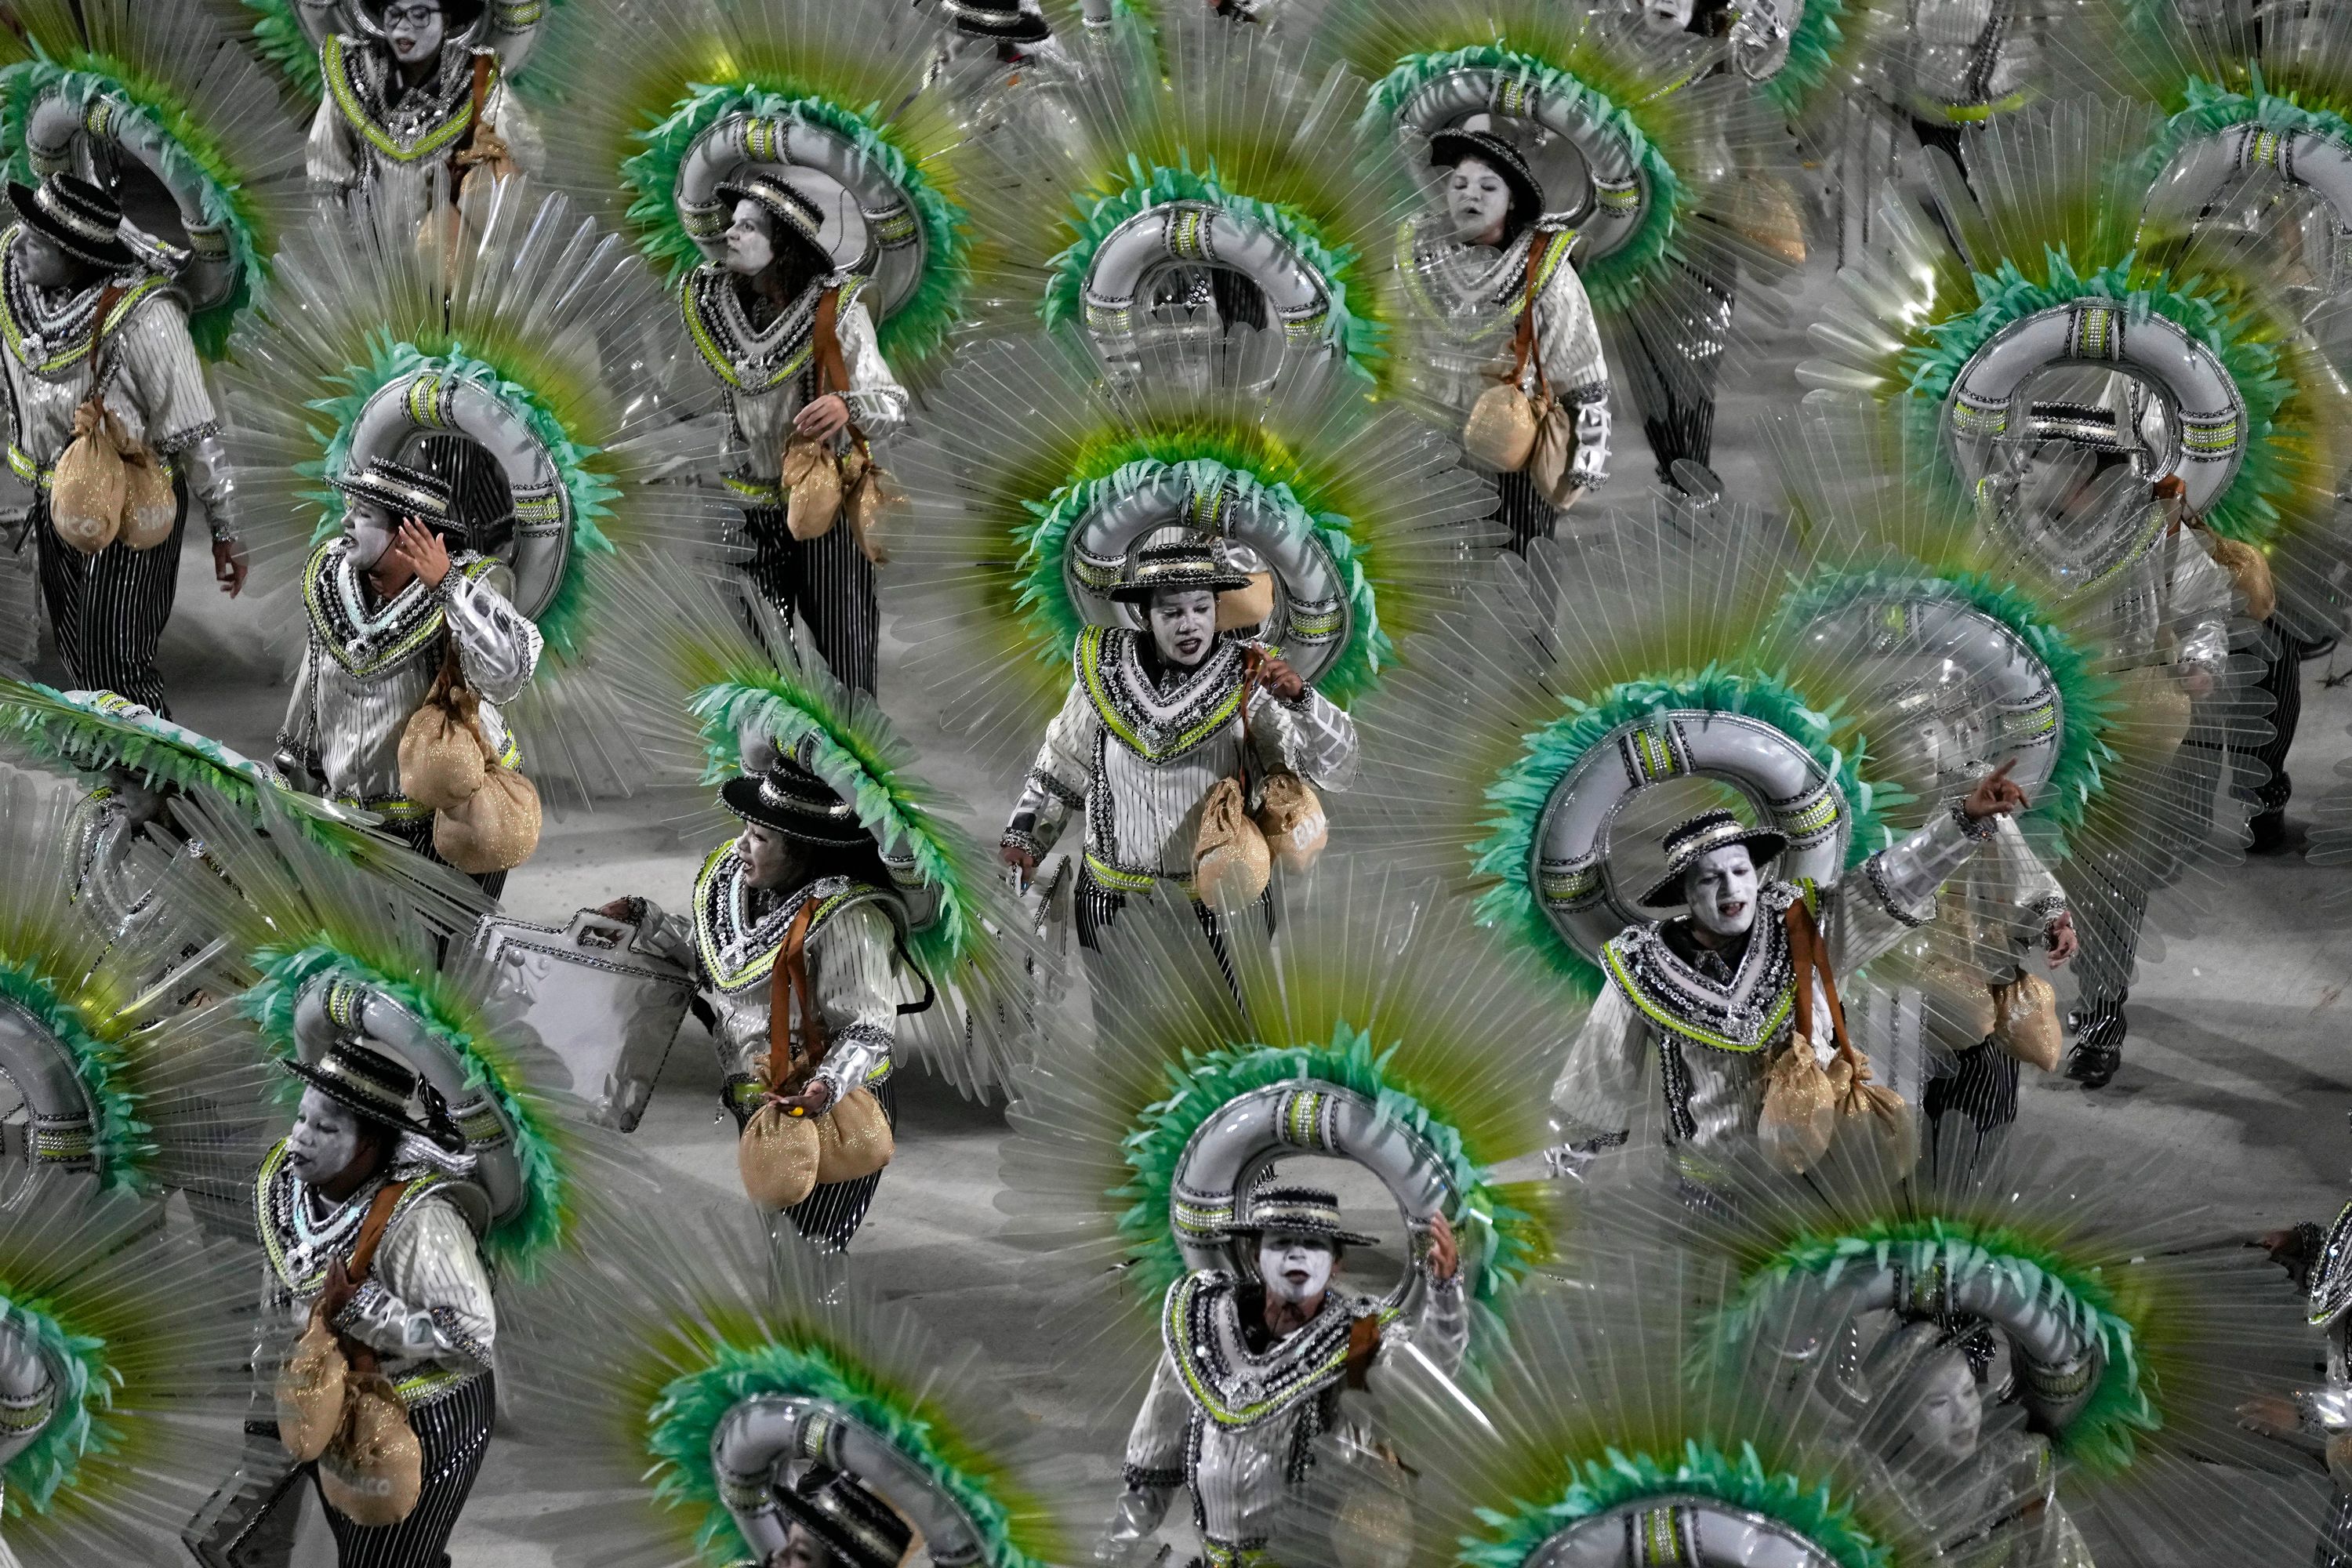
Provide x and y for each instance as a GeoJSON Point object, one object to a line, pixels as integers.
{"type": "Point", "coordinates": [228, 566]}
{"type": "Point", "coordinates": [420, 549]}
{"type": "Point", "coordinates": [1020, 860]}
{"type": "Point", "coordinates": [822, 419]}
{"type": "Point", "coordinates": [1994, 795]}
{"type": "Point", "coordinates": [338, 1292]}
{"type": "Point", "coordinates": [1279, 678]}
{"type": "Point", "coordinates": [2060, 939]}
{"type": "Point", "coordinates": [813, 1100]}
{"type": "Point", "coordinates": [1444, 1256]}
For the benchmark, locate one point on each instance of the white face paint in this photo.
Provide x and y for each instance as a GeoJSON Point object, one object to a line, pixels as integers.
{"type": "Point", "coordinates": [415, 30]}
{"type": "Point", "coordinates": [369, 528]}
{"type": "Point", "coordinates": [1296, 1269]}
{"type": "Point", "coordinates": [1721, 887]}
{"type": "Point", "coordinates": [770, 859]}
{"type": "Point", "coordinates": [1950, 1413]}
{"type": "Point", "coordinates": [1666, 16]}
{"type": "Point", "coordinates": [801, 1550]}
{"type": "Point", "coordinates": [1477, 201]}
{"type": "Point", "coordinates": [45, 265]}
{"type": "Point", "coordinates": [326, 1138]}
{"type": "Point", "coordinates": [749, 240]}
{"type": "Point", "coordinates": [1183, 623]}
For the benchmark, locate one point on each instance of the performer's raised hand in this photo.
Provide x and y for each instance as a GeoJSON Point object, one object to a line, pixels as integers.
{"type": "Point", "coordinates": [1277, 677]}
{"type": "Point", "coordinates": [2060, 938]}
{"type": "Point", "coordinates": [1994, 795]}
{"type": "Point", "coordinates": [823, 419]}
{"type": "Point", "coordinates": [228, 566]}
{"type": "Point", "coordinates": [1444, 1256]}
{"type": "Point", "coordinates": [627, 910]}
{"type": "Point", "coordinates": [420, 549]}
{"type": "Point", "coordinates": [1022, 860]}
{"type": "Point", "coordinates": [337, 1292]}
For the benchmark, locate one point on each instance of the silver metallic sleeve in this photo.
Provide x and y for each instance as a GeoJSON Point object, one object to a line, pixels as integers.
{"type": "Point", "coordinates": [1313, 738]}
{"type": "Point", "coordinates": [2200, 599]}
{"type": "Point", "coordinates": [1059, 777]}
{"type": "Point", "coordinates": [331, 158]}
{"type": "Point", "coordinates": [850, 966]}
{"type": "Point", "coordinates": [875, 399]}
{"type": "Point", "coordinates": [1442, 1332]}
{"type": "Point", "coordinates": [498, 646]}
{"type": "Point", "coordinates": [1601, 1084]}
{"type": "Point", "coordinates": [1154, 1467]}
{"type": "Point", "coordinates": [211, 482]}
{"type": "Point", "coordinates": [1576, 369]}
{"type": "Point", "coordinates": [298, 733]}
{"type": "Point", "coordinates": [428, 1295]}
{"type": "Point", "coordinates": [1893, 892]}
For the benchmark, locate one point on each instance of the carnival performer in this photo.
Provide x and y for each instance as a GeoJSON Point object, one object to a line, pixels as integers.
{"type": "Point", "coordinates": [411, 101]}
{"type": "Point", "coordinates": [2318, 1260]}
{"type": "Point", "coordinates": [1253, 1371]}
{"type": "Point", "coordinates": [1511, 306]}
{"type": "Point", "coordinates": [796, 938]}
{"type": "Point", "coordinates": [794, 349]}
{"type": "Point", "coordinates": [1154, 720]}
{"type": "Point", "coordinates": [1711, 992]}
{"type": "Point", "coordinates": [390, 605]}
{"type": "Point", "coordinates": [84, 319]}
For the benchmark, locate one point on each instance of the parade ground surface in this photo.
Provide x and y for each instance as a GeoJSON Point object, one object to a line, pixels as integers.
{"type": "Point", "coordinates": [2236, 1061]}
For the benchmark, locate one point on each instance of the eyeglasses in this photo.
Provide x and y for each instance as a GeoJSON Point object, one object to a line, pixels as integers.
{"type": "Point", "coordinates": [414, 16]}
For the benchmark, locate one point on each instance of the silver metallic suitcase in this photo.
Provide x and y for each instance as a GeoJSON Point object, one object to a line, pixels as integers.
{"type": "Point", "coordinates": [600, 1001]}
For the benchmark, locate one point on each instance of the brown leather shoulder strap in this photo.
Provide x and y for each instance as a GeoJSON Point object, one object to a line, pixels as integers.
{"type": "Point", "coordinates": [379, 1215]}
{"type": "Point", "coordinates": [1522, 340]}
{"type": "Point", "coordinates": [1363, 1344]}
{"type": "Point", "coordinates": [833, 375]}
{"type": "Point", "coordinates": [1809, 957]}
{"type": "Point", "coordinates": [788, 977]}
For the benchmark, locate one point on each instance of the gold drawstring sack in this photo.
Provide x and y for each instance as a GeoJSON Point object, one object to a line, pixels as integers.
{"type": "Point", "coordinates": [776, 1156]}
{"type": "Point", "coordinates": [1958, 1002]}
{"type": "Point", "coordinates": [150, 510]}
{"type": "Point", "coordinates": [865, 492]}
{"type": "Point", "coordinates": [88, 487]}
{"type": "Point", "coordinates": [1231, 863]}
{"type": "Point", "coordinates": [871, 499]}
{"type": "Point", "coordinates": [374, 1472]}
{"type": "Point", "coordinates": [2026, 1021]}
{"type": "Point", "coordinates": [2159, 707]}
{"type": "Point", "coordinates": [310, 1390]}
{"type": "Point", "coordinates": [441, 758]}
{"type": "Point", "coordinates": [1503, 426]}
{"type": "Point", "coordinates": [496, 828]}
{"type": "Point", "coordinates": [1861, 1104]}
{"type": "Point", "coordinates": [2249, 570]}
{"type": "Point", "coordinates": [811, 482]}
{"type": "Point", "coordinates": [783, 1155]}
{"type": "Point", "coordinates": [1800, 1115]}
{"type": "Point", "coordinates": [1290, 815]}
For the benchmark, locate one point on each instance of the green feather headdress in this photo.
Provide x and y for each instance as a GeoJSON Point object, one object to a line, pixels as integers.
{"type": "Point", "coordinates": [137, 1326]}
{"type": "Point", "coordinates": [221, 133]}
{"type": "Point", "coordinates": [684, 1320]}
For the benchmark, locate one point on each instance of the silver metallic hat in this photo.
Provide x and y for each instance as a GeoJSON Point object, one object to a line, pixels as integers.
{"type": "Point", "coordinates": [1696, 836]}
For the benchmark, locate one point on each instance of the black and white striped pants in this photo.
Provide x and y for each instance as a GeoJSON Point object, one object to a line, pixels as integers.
{"type": "Point", "coordinates": [417, 834]}
{"type": "Point", "coordinates": [831, 1215]}
{"type": "Point", "coordinates": [824, 583]}
{"type": "Point", "coordinates": [2334, 1548]}
{"type": "Point", "coordinates": [1527, 514]}
{"type": "Point", "coordinates": [109, 609]}
{"type": "Point", "coordinates": [1973, 1106]}
{"type": "Point", "coordinates": [454, 1433]}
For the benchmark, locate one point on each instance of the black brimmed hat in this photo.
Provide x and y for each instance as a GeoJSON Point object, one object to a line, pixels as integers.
{"type": "Point", "coordinates": [796, 214]}
{"type": "Point", "coordinates": [1175, 564]}
{"type": "Point", "coordinates": [796, 804]}
{"type": "Point", "coordinates": [1696, 836]}
{"type": "Point", "coordinates": [403, 491]}
{"type": "Point", "coordinates": [1298, 1211]}
{"type": "Point", "coordinates": [856, 1526]}
{"type": "Point", "coordinates": [76, 217]}
{"type": "Point", "coordinates": [365, 1081]}
{"type": "Point", "coordinates": [1002, 19]}
{"type": "Point", "coordinates": [1448, 148]}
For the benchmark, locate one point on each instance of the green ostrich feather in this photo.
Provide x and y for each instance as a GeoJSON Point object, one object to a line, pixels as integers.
{"type": "Point", "coordinates": [1813, 45]}
{"type": "Point", "coordinates": [190, 154]}
{"type": "Point", "coordinates": [563, 622]}
{"type": "Point", "coordinates": [119, 1138]}
{"type": "Point", "coordinates": [2087, 701]}
{"type": "Point", "coordinates": [1358, 336]}
{"type": "Point", "coordinates": [2234, 328]}
{"type": "Point", "coordinates": [82, 1422]}
{"type": "Point", "coordinates": [2209, 108]}
{"type": "Point", "coordinates": [1548, 753]}
{"type": "Point", "coordinates": [682, 1422]}
{"type": "Point", "coordinates": [921, 323]}
{"type": "Point", "coordinates": [547, 1218]}
{"type": "Point", "coordinates": [1615, 280]}
{"type": "Point", "coordinates": [1620, 1480]}
{"type": "Point", "coordinates": [891, 802]}
{"type": "Point", "coordinates": [278, 35]}
{"type": "Point", "coordinates": [1207, 1080]}
{"type": "Point", "coordinates": [1207, 460]}
{"type": "Point", "coordinates": [2103, 1433]}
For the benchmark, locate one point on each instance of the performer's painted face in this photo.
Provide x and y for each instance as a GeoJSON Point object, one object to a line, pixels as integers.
{"type": "Point", "coordinates": [1721, 887]}
{"type": "Point", "coordinates": [1667, 15]}
{"type": "Point", "coordinates": [1950, 1413]}
{"type": "Point", "coordinates": [368, 527]}
{"type": "Point", "coordinates": [750, 245]}
{"type": "Point", "coordinates": [801, 1550]}
{"type": "Point", "coordinates": [141, 800]}
{"type": "Point", "coordinates": [1296, 1269]}
{"type": "Point", "coordinates": [770, 859]}
{"type": "Point", "coordinates": [1477, 201]}
{"type": "Point", "coordinates": [415, 29]}
{"type": "Point", "coordinates": [43, 263]}
{"type": "Point", "coordinates": [327, 1136]}
{"type": "Point", "coordinates": [1183, 625]}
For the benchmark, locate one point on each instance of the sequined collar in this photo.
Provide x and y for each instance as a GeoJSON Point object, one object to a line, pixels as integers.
{"type": "Point", "coordinates": [424, 120]}
{"type": "Point", "coordinates": [1451, 280]}
{"type": "Point", "coordinates": [1745, 1015]}
{"type": "Point", "coordinates": [1155, 724]}
{"type": "Point", "coordinates": [2331, 1277]}
{"type": "Point", "coordinates": [747, 358]}
{"type": "Point", "coordinates": [49, 335]}
{"type": "Point", "coordinates": [736, 937]}
{"type": "Point", "coordinates": [298, 1240]}
{"type": "Point", "coordinates": [1201, 1325]}
{"type": "Point", "coordinates": [366, 642]}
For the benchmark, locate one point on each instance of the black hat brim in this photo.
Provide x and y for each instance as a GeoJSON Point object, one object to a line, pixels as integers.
{"type": "Point", "coordinates": [1448, 148]}
{"type": "Point", "coordinates": [1141, 592]}
{"type": "Point", "coordinates": [1327, 1233]}
{"type": "Point", "coordinates": [116, 256]}
{"type": "Point", "coordinates": [360, 486]}
{"type": "Point", "coordinates": [741, 796]}
{"type": "Point", "coordinates": [1765, 845]}
{"type": "Point", "coordinates": [341, 1095]}
{"type": "Point", "coordinates": [809, 232]}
